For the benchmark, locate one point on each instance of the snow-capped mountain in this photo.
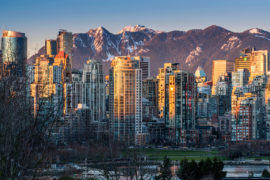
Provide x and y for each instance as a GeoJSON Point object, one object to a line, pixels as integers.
{"type": "Point", "coordinates": [190, 49]}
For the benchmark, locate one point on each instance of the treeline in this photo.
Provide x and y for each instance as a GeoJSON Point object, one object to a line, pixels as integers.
{"type": "Point", "coordinates": [191, 170]}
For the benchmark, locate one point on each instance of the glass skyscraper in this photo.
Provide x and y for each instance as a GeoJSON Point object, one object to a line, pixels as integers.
{"type": "Point", "coordinates": [126, 100]}
{"type": "Point", "coordinates": [14, 52]}
{"type": "Point", "coordinates": [94, 93]}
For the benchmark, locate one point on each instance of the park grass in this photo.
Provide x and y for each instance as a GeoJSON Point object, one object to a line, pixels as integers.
{"type": "Point", "coordinates": [158, 154]}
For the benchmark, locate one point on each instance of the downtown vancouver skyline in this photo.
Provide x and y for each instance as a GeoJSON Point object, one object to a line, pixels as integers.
{"type": "Point", "coordinates": [134, 89]}
{"type": "Point", "coordinates": [40, 20]}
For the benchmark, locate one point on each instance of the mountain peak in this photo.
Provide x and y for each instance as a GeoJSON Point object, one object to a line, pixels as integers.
{"type": "Point", "coordinates": [136, 28]}
{"type": "Point", "coordinates": [255, 31]}
{"type": "Point", "coordinates": [98, 30]}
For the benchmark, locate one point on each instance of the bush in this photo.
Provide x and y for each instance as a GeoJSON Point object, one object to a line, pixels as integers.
{"type": "Point", "coordinates": [190, 170]}
{"type": "Point", "coordinates": [265, 173]}
{"type": "Point", "coordinates": [66, 178]}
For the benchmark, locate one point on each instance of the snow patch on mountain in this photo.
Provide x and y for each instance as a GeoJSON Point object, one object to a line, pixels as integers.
{"type": "Point", "coordinates": [233, 42]}
{"type": "Point", "coordinates": [130, 48]}
{"type": "Point", "coordinates": [262, 37]}
{"type": "Point", "coordinates": [193, 54]}
{"type": "Point", "coordinates": [254, 31]}
{"type": "Point", "coordinates": [136, 28]}
{"type": "Point", "coordinates": [141, 51]}
{"type": "Point", "coordinates": [109, 56]}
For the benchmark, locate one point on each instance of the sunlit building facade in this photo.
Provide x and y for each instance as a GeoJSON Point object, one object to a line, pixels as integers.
{"type": "Point", "coordinates": [259, 63]}
{"type": "Point", "coordinates": [182, 108]}
{"type": "Point", "coordinates": [163, 84]}
{"type": "Point", "coordinates": [51, 88]}
{"type": "Point", "coordinates": [46, 90]}
{"type": "Point", "coordinates": [51, 47]}
{"type": "Point", "coordinates": [126, 100]}
{"type": "Point", "coordinates": [243, 62]}
{"type": "Point", "coordinates": [220, 67]}
{"type": "Point", "coordinates": [248, 111]}
{"type": "Point", "coordinates": [65, 43]}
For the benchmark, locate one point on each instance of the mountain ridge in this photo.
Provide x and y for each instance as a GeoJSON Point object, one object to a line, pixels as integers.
{"type": "Point", "coordinates": [192, 48]}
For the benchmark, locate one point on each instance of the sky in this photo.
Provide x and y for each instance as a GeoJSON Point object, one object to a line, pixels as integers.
{"type": "Point", "coordinates": [41, 19]}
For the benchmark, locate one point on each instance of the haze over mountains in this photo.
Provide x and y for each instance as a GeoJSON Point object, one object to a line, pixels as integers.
{"type": "Point", "coordinates": [193, 48]}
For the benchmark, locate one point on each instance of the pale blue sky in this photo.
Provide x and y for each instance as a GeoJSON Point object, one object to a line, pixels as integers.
{"type": "Point", "coordinates": [41, 19]}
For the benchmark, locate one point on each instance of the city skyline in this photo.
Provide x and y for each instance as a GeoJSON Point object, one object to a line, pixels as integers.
{"type": "Point", "coordinates": [116, 86]}
{"type": "Point", "coordinates": [80, 16]}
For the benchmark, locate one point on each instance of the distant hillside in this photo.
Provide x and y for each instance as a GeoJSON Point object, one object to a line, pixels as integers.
{"type": "Point", "coordinates": [190, 49]}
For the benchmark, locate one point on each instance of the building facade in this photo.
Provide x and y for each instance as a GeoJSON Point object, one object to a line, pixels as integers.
{"type": "Point", "coordinates": [51, 88]}
{"type": "Point", "coordinates": [144, 64]}
{"type": "Point", "coordinates": [126, 100]}
{"type": "Point", "coordinates": [163, 84]}
{"type": "Point", "coordinates": [240, 78]}
{"type": "Point", "coordinates": [181, 122]}
{"type": "Point", "coordinates": [14, 52]}
{"type": "Point", "coordinates": [65, 43]}
{"type": "Point", "coordinates": [94, 89]}
{"type": "Point", "coordinates": [51, 47]}
{"type": "Point", "coordinates": [150, 92]}
{"type": "Point", "coordinates": [220, 67]}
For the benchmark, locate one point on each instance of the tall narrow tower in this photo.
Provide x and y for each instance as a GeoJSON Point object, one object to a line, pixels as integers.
{"type": "Point", "coordinates": [65, 43]}
{"type": "Point", "coordinates": [94, 94]}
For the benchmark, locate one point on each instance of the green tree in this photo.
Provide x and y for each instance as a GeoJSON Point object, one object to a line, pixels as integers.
{"type": "Point", "coordinates": [188, 170]}
{"type": "Point", "coordinates": [183, 170]}
{"type": "Point", "coordinates": [217, 169]}
{"type": "Point", "coordinates": [265, 173]}
{"type": "Point", "coordinates": [165, 171]}
{"type": "Point", "coordinates": [204, 169]}
{"type": "Point", "coordinates": [66, 178]}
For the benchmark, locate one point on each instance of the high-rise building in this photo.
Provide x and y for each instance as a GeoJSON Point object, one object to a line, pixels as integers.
{"type": "Point", "coordinates": [107, 99]}
{"type": "Point", "coordinates": [62, 60]}
{"type": "Point", "coordinates": [259, 63]}
{"type": "Point", "coordinates": [220, 67]}
{"type": "Point", "coordinates": [248, 111]}
{"type": "Point", "coordinates": [46, 88]}
{"type": "Point", "coordinates": [77, 88]}
{"type": "Point", "coordinates": [51, 47]}
{"type": "Point", "coordinates": [144, 64]}
{"type": "Point", "coordinates": [94, 92]}
{"type": "Point", "coordinates": [150, 92]}
{"type": "Point", "coordinates": [182, 108]}
{"type": "Point", "coordinates": [65, 43]}
{"type": "Point", "coordinates": [201, 79]}
{"type": "Point", "coordinates": [163, 84]}
{"type": "Point", "coordinates": [240, 78]}
{"type": "Point", "coordinates": [1, 64]}
{"type": "Point", "coordinates": [223, 93]}
{"type": "Point", "coordinates": [200, 76]}
{"type": "Point", "coordinates": [267, 107]}
{"type": "Point", "coordinates": [52, 84]}
{"type": "Point", "coordinates": [206, 105]}
{"type": "Point", "coordinates": [243, 62]}
{"type": "Point", "coordinates": [14, 52]}
{"type": "Point", "coordinates": [247, 119]}
{"type": "Point", "coordinates": [126, 100]}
